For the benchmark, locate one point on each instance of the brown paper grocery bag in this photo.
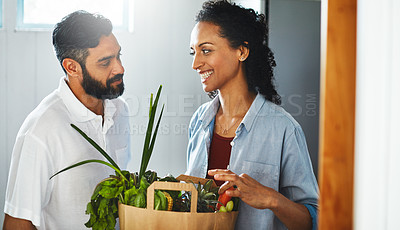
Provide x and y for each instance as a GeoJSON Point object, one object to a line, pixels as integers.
{"type": "Point", "coordinates": [131, 217]}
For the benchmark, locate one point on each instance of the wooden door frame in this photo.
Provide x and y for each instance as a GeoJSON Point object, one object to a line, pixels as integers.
{"type": "Point", "coordinates": [337, 113]}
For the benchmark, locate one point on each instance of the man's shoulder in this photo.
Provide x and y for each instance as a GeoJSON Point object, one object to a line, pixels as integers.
{"type": "Point", "coordinates": [48, 112]}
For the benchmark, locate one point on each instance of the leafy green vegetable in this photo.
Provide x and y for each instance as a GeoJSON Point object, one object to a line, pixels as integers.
{"type": "Point", "coordinates": [163, 200]}
{"type": "Point", "coordinates": [157, 202]}
{"type": "Point", "coordinates": [130, 195]}
{"type": "Point", "coordinates": [103, 211]}
{"type": "Point", "coordinates": [111, 189]}
{"type": "Point", "coordinates": [140, 200]}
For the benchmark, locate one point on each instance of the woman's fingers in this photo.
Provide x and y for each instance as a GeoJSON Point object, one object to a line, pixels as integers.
{"type": "Point", "coordinates": [246, 188]}
{"type": "Point", "coordinates": [225, 186]}
{"type": "Point", "coordinates": [225, 177]}
{"type": "Point", "coordinates": [213, 172]}
{"type": "Point", "coordinates": [244, 184]}
{"type": "Point", "coordinates": [234, 193]}
{"type": "Point", "coordinates": [231, 179]}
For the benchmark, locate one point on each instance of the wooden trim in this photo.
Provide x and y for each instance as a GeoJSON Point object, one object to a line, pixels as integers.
{"type": "Point", "coordinates": [338, 81]}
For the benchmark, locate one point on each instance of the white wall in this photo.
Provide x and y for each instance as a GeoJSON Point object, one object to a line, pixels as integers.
{"type": "Point", "coordinates": [4, 164]}
{"type": "Point", "coordinates": [377, 148]}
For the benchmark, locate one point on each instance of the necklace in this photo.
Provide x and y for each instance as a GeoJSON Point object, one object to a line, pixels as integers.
{"type": "Point", "coordinates": [226, 130]}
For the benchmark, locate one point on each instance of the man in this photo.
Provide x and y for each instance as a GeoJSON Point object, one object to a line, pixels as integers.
{"type": "Point", "coordinates": [46, 143]}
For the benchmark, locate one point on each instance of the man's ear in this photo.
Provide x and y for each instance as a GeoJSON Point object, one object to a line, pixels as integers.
{"type": "Point", "coordinates": [244, 51]}
{"type": "Point", "coordinates": [72, 67]}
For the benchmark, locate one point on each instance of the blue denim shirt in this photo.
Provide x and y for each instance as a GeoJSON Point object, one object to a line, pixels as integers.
{"type": "Point", "coordinates": [269, 146]}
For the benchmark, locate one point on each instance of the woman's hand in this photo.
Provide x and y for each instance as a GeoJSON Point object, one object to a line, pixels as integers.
{"type": "Point", "coordinates": [250, 191]}
{"type": "Point", "coordinates": [247, 189]}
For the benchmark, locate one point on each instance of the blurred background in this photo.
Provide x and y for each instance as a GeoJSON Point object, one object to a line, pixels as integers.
{"type": "Point", "coordinates": [154, 36]}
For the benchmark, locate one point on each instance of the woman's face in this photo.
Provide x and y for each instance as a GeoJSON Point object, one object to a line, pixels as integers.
{"type": "Point", "coordinates": [213, 58]}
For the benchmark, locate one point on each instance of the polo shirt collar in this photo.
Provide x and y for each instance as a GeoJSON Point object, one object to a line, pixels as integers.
{"type": "Point", "coordinates": [79, 110]}
{"type": "Point", "coordinates": [109, 111]}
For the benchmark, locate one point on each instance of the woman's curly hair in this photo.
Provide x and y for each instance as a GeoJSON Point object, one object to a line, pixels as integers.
{"type": "Point", "coordinates": [241, 26]}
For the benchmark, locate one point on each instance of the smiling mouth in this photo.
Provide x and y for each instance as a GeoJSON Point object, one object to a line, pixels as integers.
{"type": "Point", "coordinates": [204, 76]}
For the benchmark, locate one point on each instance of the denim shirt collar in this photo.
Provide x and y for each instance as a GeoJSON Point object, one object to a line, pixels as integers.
{"type": "Point", "coordinates": [209, 115]}
{"type": "Point", "coordinates": [254, 110]}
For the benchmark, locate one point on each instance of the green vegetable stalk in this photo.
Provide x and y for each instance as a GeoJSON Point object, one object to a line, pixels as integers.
{"type": "Point", "coordinates": [148, 146]}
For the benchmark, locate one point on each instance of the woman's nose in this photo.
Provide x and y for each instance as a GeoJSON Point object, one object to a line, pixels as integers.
{"type": "Point", "coordinates": [197, 62]}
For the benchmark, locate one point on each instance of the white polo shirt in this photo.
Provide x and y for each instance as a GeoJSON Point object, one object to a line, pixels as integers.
{"type": "Point", "coordinates": [46, 143]}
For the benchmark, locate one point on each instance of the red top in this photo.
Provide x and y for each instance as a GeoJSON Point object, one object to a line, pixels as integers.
{"type": "Point", "coordinates": [220, 152]}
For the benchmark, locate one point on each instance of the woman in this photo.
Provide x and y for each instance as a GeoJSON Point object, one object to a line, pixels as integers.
{"type": "Point", "coordinates": [243, 136]}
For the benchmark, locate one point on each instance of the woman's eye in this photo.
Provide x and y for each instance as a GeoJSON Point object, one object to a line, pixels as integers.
{"type": "Point", "coordinates": [205, 51]}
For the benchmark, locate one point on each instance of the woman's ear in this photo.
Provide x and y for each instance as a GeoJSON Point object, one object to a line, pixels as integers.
{"type": "Point", "coordinates": [244, 51]}
{"type": "Point", "coordinates": [72, 67]}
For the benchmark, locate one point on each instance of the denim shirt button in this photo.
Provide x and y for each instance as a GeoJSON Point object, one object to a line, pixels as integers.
{"type": "Point", "coordinates": [232, 143]}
